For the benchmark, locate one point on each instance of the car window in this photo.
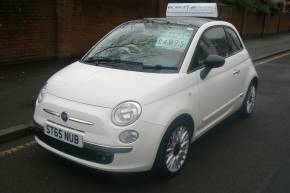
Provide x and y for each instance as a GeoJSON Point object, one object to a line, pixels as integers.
{"type": "Point", "coordinates": [213, 41]}
{"type": "Point", "coordinates": [143, 46]}
{"type": "Point", "coordinates": [234, 42]}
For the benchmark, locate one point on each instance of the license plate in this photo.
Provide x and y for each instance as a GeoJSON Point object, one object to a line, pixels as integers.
{"type": "Point", "coordinates": [64, 135]}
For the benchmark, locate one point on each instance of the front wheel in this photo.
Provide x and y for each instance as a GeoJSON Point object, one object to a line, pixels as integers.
{"type": "Point", "coordinates": [173, 149]}
{"type": "Point", "coordinates": [249, 102]}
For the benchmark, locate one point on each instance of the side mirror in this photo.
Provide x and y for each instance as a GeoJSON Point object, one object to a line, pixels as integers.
{"type": "Point", "coordinates": [212, 61]}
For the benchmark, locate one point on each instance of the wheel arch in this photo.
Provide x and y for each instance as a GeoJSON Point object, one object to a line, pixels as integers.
{"type": "Point", "coordinates": [256, 81]}
{"type": "Point", "coordinates": [186, 117]}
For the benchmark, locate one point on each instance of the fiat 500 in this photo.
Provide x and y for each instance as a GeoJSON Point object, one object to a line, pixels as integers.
{"type": "Point", "coordinates": [145, 92]}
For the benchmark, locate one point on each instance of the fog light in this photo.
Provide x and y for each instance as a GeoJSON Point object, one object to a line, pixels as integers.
{"type": "Point", "coordinates": [128, 136]}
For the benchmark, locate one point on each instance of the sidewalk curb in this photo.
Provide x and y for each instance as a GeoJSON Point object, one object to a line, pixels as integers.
{"type": "Point", "coordinates": [16, 131]}
{"type": "Point", "coordinates": [25, 128]}
{"type": "Point", "coordinates": [272, 54]}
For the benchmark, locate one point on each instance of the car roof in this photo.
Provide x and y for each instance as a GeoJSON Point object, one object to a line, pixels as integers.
{"type": "Point", "coordinates": [190, 21]}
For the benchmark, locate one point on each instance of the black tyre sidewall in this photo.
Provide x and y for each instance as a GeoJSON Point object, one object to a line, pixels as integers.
{"type": "Point", "coordinates": [160, 162]}
{"type": "Point", "coordinates": [242, 112]}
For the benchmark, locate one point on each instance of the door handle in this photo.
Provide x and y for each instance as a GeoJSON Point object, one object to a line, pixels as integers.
{"type": "Point", "coordinates": [236, 72]}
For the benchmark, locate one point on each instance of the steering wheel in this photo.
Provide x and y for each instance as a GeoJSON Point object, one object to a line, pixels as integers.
{"type": "Point", "coordinates": [130, 48]}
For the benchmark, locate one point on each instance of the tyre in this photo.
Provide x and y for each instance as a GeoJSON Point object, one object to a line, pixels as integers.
{"type": "Point", "coordinates": [249, 102]}
{"type": "Point", "coordinates": [173, 149]}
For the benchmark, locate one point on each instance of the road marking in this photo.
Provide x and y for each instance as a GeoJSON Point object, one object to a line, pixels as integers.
{"type": "Point", "coordinates": [15, 128]}
{"type": "Point", "coordinates": [16, 149]}
{"type": "Point", "coordinates": [271, 59]}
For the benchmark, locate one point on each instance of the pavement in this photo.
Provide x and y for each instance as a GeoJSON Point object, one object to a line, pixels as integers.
{"type": "Point", "coordinates": [20, 83]}
{"type": "Point", "coordinates": [19, 87]}
{"type": "Point", "coordinates": [263, 47]}
{"type": "Point", "coordinates": [237, 156]}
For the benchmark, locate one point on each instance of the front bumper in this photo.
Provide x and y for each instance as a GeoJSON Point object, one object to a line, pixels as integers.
{"type": "Point", "coordinates": [91, 152]}
{"type": "Point", "coordinates": [102, 149]}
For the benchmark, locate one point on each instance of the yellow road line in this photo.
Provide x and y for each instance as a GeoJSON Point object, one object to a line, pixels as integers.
{"type": "Point", "coordinates": [17, 148]}
{"type": "Point", "coordinates": [271, 59]}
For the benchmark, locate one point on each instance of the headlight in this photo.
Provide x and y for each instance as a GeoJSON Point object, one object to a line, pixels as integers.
{"type": "Point", "coordinates": [126, 113]}
{"type": "Point", "coordinates": [41, 94]}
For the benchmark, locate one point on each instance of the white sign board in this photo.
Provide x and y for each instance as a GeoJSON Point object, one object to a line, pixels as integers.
{"type": "Point", "coordinates": [192, 9]}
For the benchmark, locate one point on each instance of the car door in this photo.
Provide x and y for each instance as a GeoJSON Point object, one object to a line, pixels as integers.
{"type": "Point", "coordinates": [238, 58]}
{"type": "Point", "coordinates": [217, 92]}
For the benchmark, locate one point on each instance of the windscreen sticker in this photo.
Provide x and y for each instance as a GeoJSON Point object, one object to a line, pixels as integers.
{"type": "Point", "coordinates": [173, 39]}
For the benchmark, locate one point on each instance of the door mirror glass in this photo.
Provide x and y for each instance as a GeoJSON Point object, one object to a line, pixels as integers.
{"type": "Point", "coordinates": [214, 61]}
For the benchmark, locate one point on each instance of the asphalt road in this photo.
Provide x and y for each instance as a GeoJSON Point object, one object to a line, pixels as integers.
{"type": "Point", "coordinates": [237, 156]}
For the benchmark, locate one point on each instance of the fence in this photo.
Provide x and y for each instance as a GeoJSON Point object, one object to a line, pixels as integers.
{"type": "Point", "coordinates": [34, 30]}
{"type": "Point", "coordinates": [253, 24]}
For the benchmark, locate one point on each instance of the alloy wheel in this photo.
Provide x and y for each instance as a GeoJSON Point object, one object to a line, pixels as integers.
{"type": "Point", "coordinates": [251, 99]}
{"type": "Point", "coordinates": [177, 149]}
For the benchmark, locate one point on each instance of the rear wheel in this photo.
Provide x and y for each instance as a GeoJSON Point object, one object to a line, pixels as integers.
{"type": "Point", "coordinates": [249, 102]}
{"type": "Point", "coordinates": [174, 148]}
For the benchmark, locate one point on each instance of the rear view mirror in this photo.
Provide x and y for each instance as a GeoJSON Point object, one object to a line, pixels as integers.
{"type": "Point", "coordinates": [212, 61]}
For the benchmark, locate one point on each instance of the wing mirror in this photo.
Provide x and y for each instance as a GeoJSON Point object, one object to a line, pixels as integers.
{"type": "Point", "coordinates": [212, 61]}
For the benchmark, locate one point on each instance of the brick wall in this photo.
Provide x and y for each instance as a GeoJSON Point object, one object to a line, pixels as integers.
{"type": "Point", "coordinates": [84, 22]}
{"type": "Point", "coordinates": [26, 30]}
{"type": "Point", "coordinates": [42, 29]}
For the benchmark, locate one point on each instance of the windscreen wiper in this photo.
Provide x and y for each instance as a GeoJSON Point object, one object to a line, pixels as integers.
{"type": "Point", "coordinates": [98, 61]}
{"type": "Point", "coordinates": [160, 67]}
{"type": "Point", "coordinates": [125, 64]}
{"type": "Point", "coordinates": [115, 63]}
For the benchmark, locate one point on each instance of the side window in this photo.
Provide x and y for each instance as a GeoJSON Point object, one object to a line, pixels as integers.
{"type": "Point", "coordinates": [213, 41]}
{"type": "Point", "coordinates": [233, 40]}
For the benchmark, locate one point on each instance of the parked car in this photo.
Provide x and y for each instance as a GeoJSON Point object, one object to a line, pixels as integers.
{"type": "Point", "coordinates": [145, 92]}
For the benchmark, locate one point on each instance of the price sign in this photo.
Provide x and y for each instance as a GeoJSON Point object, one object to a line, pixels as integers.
{"type": "Point", "coordinates": [174, 39]}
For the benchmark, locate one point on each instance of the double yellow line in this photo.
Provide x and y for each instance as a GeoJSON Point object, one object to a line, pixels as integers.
{"type": "Point", "coordinates": [271, 58]}
{"type": "Point", "coordinates": [17, 148]}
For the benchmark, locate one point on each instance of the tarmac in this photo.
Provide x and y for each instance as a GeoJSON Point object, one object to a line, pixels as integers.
{"type": "Point", "coordinates": [20, 83]}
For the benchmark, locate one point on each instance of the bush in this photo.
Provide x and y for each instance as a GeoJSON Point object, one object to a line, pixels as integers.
{"type": "Point", "coordinates": [247, 4]}
{"type": "Point", "coordinates": [263, 6]}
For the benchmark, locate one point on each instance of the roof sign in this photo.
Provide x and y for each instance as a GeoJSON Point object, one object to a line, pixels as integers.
{"type": "Point", "coordinates": [192, 9]}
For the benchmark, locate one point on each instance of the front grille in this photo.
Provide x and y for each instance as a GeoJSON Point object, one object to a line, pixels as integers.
{"type": "Point", "coordinates": [82, 153]}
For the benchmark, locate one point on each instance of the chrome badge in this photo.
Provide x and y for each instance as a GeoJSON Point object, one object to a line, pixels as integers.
{"type": "Point", "coordinates": [64, 116]}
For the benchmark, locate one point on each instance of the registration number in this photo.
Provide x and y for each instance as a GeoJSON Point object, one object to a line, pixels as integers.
{"type": "Point", "coordinates": [64, 135]}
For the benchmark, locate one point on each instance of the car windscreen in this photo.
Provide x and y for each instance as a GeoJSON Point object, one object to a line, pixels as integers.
{"type": "Point", "coordinates": [143, 46]}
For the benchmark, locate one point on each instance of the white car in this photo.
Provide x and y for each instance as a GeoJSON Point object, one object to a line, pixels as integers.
{"type": "Point", "coordinates": [145, 92]}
